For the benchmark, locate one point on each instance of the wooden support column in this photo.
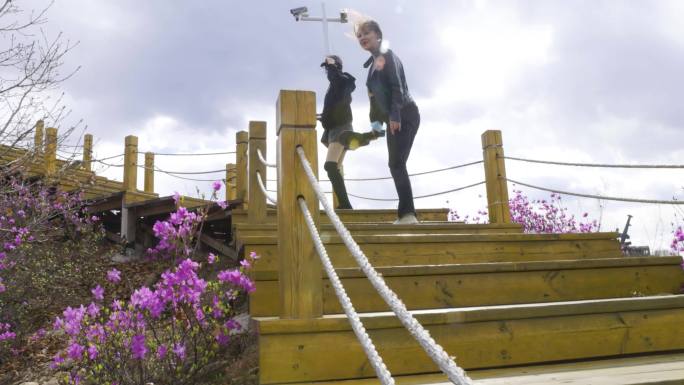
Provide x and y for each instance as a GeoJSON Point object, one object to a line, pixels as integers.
{"type": "Point", "coordinates": [495, 177]}
{"type": "Point", "coordinates": [241, 143]}
{"type": "Point", "coordinates": [231, 191]}
{"type": "Point", "coordinates": [129, 223]}
{"type": "Point", "coordinates": [38, 137]}
{"type": "Point", "coordinates": [299, 269]}
{"type": "Point", "coordinates": [50, 157]}
{"type": "Point", "coordinates": [256, 199]}
{"type": "Point", "coordinates": [87, 152]}
{"type": "Point", "coordinates": [130, 183]}
{"type": "Point", "coordinates": [130, 176]}
{"type": "Point", "coordinates": [149, 172]}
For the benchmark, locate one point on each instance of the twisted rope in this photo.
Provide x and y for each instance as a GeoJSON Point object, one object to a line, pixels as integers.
{"type": "Point", "coordinates": [635, 200]}
{"type": "Point", "coordinates": [434, 350]}
{"type": "Point", "coordinates": [373, 357]}
{"type": "Point", "coordinates": [594, 164]}
{"type": "Point", "coordinates": [263, 161]}
{"type": "Point", "coordinates": [263, 189]}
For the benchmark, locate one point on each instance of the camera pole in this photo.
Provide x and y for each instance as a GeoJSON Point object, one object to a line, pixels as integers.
{"type": "Point", "coordinates": [301, 14]}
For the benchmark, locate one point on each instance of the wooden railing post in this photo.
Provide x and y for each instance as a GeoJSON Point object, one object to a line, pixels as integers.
{"type": "Point", "coordinates": [231, 192]}
{"type": "Point", "coordinates": [50, 151]}
{"type": "Point", "coordinates": [149, 172]}
{"type": "Point", "coordinates": [130, 176]}
{"type": "Point", "coordinates": [87, 152]}
{"type": "Point", "coordinates": [256, 199]}
{"type": "Point", "coordinates": [495, 177]}
{"type": "Point", "coordinates": [241, 142]}
{"type": "Point", "coordinates": [299, 269]}
{"type": "Point", "coordinates": [38, 137]}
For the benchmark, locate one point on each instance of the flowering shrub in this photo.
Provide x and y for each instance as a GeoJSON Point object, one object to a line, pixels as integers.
{"type": "Point", "coordinates": [44, 238]}
{"type": "Point", "coordinates": [171, 333]}
{"type": "Point", "coordinates": [166, 334]}
{"type": "Point", "coordinates": [547, 216]}
{"type": "Point", "coordinates": [537, 216]}
{"type": "Point", "coordinates": [677, 245]}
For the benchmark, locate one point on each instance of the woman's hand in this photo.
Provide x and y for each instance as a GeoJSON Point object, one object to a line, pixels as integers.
{"type": "Point", "coordinates": [394, 127]}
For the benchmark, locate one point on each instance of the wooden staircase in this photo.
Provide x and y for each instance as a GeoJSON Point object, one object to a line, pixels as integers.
{"type": "Point", "coordinates": [493, 297]}
{"type": "Point", "coordinates": [501, 301]}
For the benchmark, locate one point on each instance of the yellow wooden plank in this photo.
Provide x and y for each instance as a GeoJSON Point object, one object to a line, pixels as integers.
{"type": "Point", "coordinates": [479, 289]}
{"type": "Point", "coordinates": [309, 356]}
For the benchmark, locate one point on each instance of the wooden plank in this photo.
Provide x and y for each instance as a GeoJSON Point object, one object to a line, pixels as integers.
{"type": "Point", "coordinates": [357, 229]}
{"type": "Point", "coordinates": [651, 369]}
{"type": "Point", "coordinates": [392, 253]}
{"type": "Point", "coordinates": [368, 216]}
{"type": "Point", "coordinates": [306, 355]}
{"type": "Point", "coordinates": [433, 287]}
{"type": "Point", "coordinates": [219, 246]}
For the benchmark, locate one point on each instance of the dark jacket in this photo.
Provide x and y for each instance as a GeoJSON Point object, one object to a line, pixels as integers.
{"type": "Point", "coordinates": [387, 88]}
{"type": "Point", "coordinates": [337, 102]}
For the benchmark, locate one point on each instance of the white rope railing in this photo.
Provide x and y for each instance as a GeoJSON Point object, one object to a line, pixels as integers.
{"type": "Point", "coordinates": [434, 350]}
{"type": "Point", "coordinates": [263, 160]}
{"type": "Point", "coordinates": [260, 182]}
{"type": "Point", "coordinates": [373, 357]}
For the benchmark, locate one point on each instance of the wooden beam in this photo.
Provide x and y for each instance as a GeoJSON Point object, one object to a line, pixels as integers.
{"type": "Point", "coordinates": [149, 172]}
{"type": "Point", "coordinates": [87, 152]}
{"type": "Point", "coordinates": [241, 143]}
{"type": "Point", "coordinates": [130, 176]}
{"type": "Point", "coordinates": [299, 266]}
{"type": "Point", "coordinates": [256, 199]}
{"type": "Point", "coordinates": [495, 177]}
{"type": "Point", "coordinates": [219, 246]}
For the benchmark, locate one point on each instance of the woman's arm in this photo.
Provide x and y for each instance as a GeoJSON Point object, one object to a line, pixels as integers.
{"type": "Point", "coordinates": [392, 77]}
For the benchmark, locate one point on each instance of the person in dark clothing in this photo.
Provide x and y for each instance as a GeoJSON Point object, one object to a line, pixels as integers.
{"type": "Point", "coordinates": [392, 104]}
{"type": "Point", "coordinates": [336, 119]}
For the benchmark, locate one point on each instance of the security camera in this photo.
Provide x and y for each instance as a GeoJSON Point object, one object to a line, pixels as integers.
{"type": "Point", "coordinates": [299, 12]}
{"type": "Point", "coordinates": [344, 16]}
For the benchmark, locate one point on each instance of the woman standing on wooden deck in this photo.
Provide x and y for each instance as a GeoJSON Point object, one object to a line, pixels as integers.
{"type": "Point", "coordinates": [391, 103]}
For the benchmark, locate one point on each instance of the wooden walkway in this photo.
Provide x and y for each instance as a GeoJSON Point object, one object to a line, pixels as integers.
{"type": "Point", "coordinates": [513, 308]}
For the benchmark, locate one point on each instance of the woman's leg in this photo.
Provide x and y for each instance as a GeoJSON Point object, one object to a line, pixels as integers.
{"type": "Point", "coordinates": [333, 161]}
{"type": "Point", "coordinates": [399, 147]}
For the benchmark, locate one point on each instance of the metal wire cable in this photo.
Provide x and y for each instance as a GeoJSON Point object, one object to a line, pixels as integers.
{"type": "Point", "coordinates": [263, 161]}
{"type": "Point", "coordinates": [620, 199]}
{"type": "Point", "coordinates": [419, 196]}
{"type": "Point", "coordinates": [182, 172]}
{"type": "Point", "coordinates": [189, 154]}
{"type": "Point", "coordinates": [108, 164]}
{"type": "Point", "coordinates": [263, 189]}
{"type": "Point", "coordinates": [434, 350]}
{"type": "Point", "coordinates": [357, 326]}
{"type": "Point", "coordinates": [108, 158]}
{"type": "Point", "coordinates": [594, 164]}
{"type": "Point", "coordinates": [417, 173]}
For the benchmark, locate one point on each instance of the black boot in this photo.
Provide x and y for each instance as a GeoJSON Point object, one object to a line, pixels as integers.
{"type": "Point", "coordinates": [337, 182]}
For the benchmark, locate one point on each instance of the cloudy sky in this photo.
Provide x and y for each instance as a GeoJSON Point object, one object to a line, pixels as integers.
{"type": "Point", "coordinates": [585, 81]}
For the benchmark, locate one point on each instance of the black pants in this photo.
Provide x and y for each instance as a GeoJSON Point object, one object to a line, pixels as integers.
{"type": "Point", "coordinates": [399, 147]}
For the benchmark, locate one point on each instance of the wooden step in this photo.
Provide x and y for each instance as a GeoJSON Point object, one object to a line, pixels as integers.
{"type": "Point", "coordinates": [663, 369]}
{"type": "Point", "coordinates": [432, 287]}
{"type": "Point", "coordinates": [406, 249]}
{"type": "Point", "coordinates": [423, 228]}
{"type": "Point", "coordinates": [351, 216]}
{"type": "Point", "coordinates": [325, 348]}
